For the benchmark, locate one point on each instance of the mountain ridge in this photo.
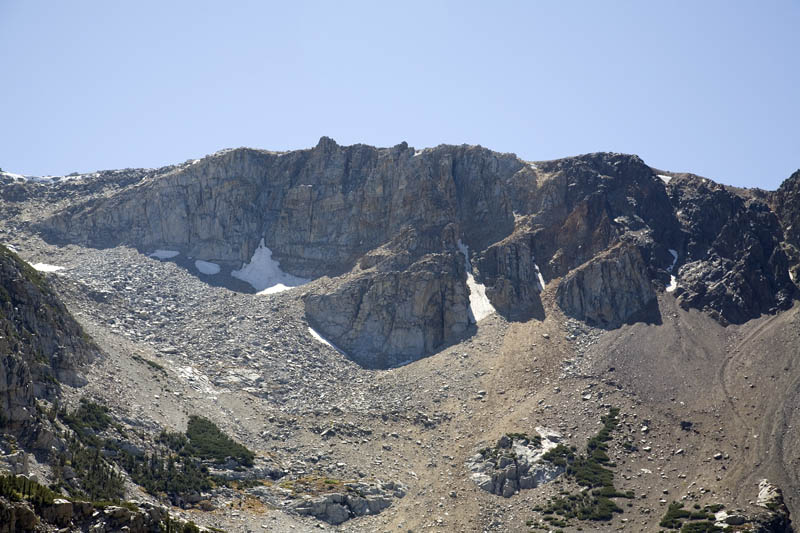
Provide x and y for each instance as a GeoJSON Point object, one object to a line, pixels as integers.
{"type": "Point", "coordinates": [325, 211]}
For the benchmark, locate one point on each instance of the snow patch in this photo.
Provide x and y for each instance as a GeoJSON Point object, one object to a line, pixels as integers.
{"type": "Point", "coordinates": [165, 254]}
{"type": "Point", "coordinates": [540, 277]}
{"type": "Point", "coordinates": [532, 165]}
{"type": "Point", "coordinates": [791, 275]}
{"type": "Point", "coordinates": [265, 274]}
{"type": "Point", "coordinates": [318, 337]}
{"type": "Point", "coordinates": [12, 175]}
{"type": "Point", "coordinates": [207, 268]}
{"type": "Point", "coordinates": [674, 259]}
{"type": "Point", "coordinates": [479, 305]}
{"type": "Point", "coordinates": [673, 284]}
{"type": "Point", "coordinates": [673, 281]}
{"type": "Point", "coordinates": [14, 249]}
{"type": "Point", "coordinates": [323, 340]}
{"type": "Point", "coordinates": [664, 178]}
{"type": "Point", "coordinates": [50, 180]}
{"type": "Point", "coordinates": [418, 153]}
{"type": "Point", "coordinates": [44, 267]}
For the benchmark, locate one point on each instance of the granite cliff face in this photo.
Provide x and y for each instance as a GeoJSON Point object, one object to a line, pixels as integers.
{"type": "Point", "coordinates": [382, 228]}
{"type": "Point", "coordinates": [41, 345]}
{"type": "Point", "coordinates": [609, 290]}
{"type": "Point", "coordinates": [392, 312]}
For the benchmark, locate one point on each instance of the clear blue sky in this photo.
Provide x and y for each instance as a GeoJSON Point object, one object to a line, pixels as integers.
{"type": "Point", "coordinates": [711, 87]}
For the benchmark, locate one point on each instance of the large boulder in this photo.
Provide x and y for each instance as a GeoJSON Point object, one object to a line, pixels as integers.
{"type": "Point", "coordinates": [361, 499]}
{"type": "Point", "coordinates": [514, 463]}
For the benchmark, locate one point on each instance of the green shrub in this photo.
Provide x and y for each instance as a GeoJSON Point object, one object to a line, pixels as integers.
{"type": "Point", "coordinates": [206, 441]}
{"type": "Point", "coordinates": [591, 470]}
{"type": "Point", "coordinates": [171, 476]}
{"type": "Point", "coordinates": [672, 518]}
{"type": "Point", "coordinates": [700, 527]}
{"type": "Point", "coordinates": [174, 441]}
{"type": "Point", "coordinates": [98, 480]}
{"type": "Point", "coordinates": [87, 419]}
{"type": "Point", "coordinates": [559, 455]}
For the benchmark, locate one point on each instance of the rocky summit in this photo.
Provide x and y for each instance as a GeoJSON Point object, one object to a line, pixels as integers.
{"type": "Point", "coordinates": [374, 339]}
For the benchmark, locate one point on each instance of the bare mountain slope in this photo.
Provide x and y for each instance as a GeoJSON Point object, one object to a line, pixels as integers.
{"type": "Point", "coordinates": [614, 286]}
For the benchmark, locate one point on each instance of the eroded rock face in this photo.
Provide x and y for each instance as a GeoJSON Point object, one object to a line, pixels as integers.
{"type": "Point", "coordinates": [611, 289]}
{"type": "Point", "coordinates": [40, 345]}
{"type": "Point", "coordinates": [16, 516]}
{"type": "Point", "coordinates": [319, 210]}
{"type": "Point", "coordinates": [514, 281]}
{"type": "Point", "coordinates": [733, 265]}
{"type": "Point", "coordinates": [383, 225]}
{"type": "Point", "coordinates": [786, 204]}
{"type": "Point", "coordinates": [385, 318]}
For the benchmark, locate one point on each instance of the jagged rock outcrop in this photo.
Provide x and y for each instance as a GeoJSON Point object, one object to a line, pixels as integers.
{"type": "Point", "coordinates": [513, 279]}
{"type": "Point", "coordinates": [86, 516]}
{"type": "Point", "coordinates": [786, 204]}
{"type": "Point", "coordinates": [609, 290]}
{"type": "Point", "coordinates": [514, 463]}
{"type": "Point", "coordinates": [733, 265]}
{"type": "Point", "coordinates": [346, 213]}
{"type": "Point", "coordinates": [17, 516]}
{"type": "Point", "coordinates": [385, 318]}
{"type": "Point", "coordinates": [40, 345]}
{"type": "Point", "coordinates": [777, 520]}
{"type": "Point", "coordinates": [360, 499]}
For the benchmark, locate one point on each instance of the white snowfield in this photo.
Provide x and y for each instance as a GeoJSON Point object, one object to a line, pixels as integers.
{"type": "Point", "coordinates": [673, 281]}
{"type": "Point", "coordinates": [207, 268]}
{"type": "Point", "coordinates": [479, 305]}
{"type": "Point", "coordinates": [44, 267]}
{"type": "Point", "coordinates": [664, 178]}
{"type": "Point", "coordinates": [165, 254]}
{"type": "Point", "coordinates": [323, 340]}
{"type": "Point", "coordinates": [265, 274]}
